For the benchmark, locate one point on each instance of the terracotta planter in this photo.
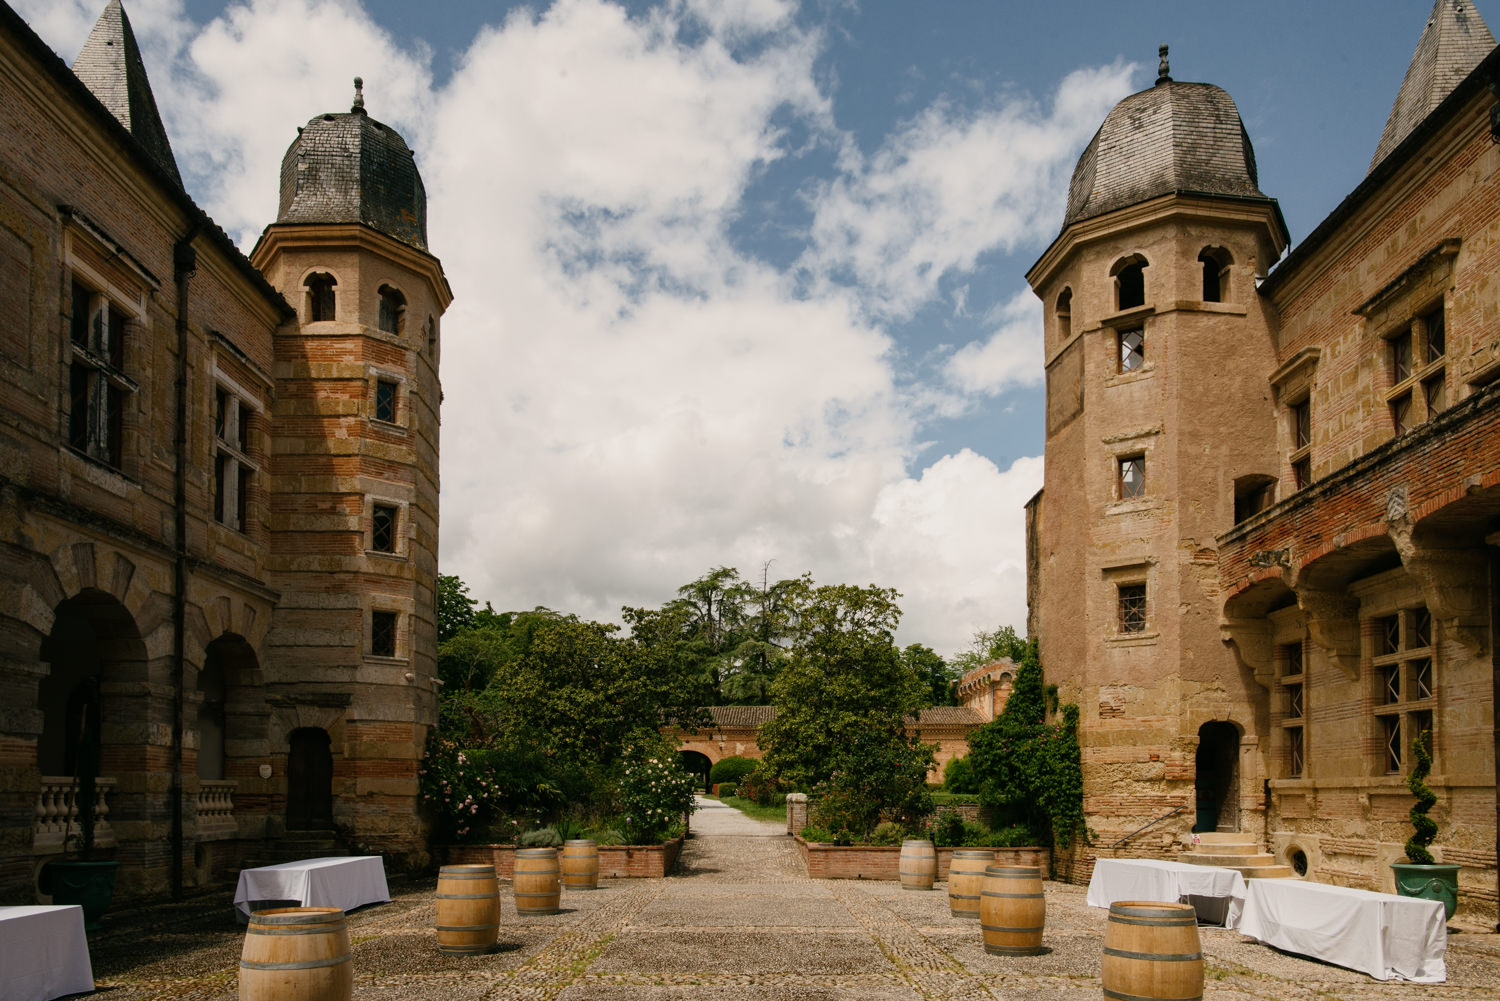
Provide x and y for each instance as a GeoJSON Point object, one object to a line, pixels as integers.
{"type": "Point", "coordinates": [1431, 882]}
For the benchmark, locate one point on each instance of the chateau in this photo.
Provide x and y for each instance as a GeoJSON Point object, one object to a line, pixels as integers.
{"type": "Point", "coordinates": [1267, 551]}
{"type": "Point", "coordinates": [218, 484]}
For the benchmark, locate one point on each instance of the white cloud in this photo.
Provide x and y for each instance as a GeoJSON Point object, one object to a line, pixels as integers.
{"type": "Point", "coordinates": [629, 398]}
{"type": "Point", "coordinates": [952, 184]}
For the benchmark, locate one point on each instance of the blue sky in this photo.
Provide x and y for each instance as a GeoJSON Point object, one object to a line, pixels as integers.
{"type": "Point", "coordinates": [742, 280]}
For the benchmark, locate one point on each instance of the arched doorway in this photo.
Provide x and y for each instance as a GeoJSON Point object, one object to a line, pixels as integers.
{"type": "Point", "coordinates": [697, 765]}
{"type": "Point", "coordinates": [309, 780]}
{"type": "Point", "coordinates": [1217, 781]}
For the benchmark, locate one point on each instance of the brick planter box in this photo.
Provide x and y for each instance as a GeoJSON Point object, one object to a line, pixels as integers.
{"type": "Point", "coordinates": [615, 861]}
{"type": "Point", "coordinates": [825, 861]}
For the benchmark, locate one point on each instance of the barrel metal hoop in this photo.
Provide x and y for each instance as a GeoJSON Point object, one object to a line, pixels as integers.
{"type": "Point", "coordinates": [468, 875]}
{"type": "Point", "coordinates": [294, 931]}
{"type": "Point", "coordinates": [1165, 957]}
{"type": "Point", "coordinates": [306, 964]}
{"type": "Point", "coordinates": [1014, 931]}
{"type": "Point", "coordinates": [1012, 896]}
{"type": "Point", "coordinates": [1122, 996]}
{"type": "Point", "coordinates": [466, 927]}
{"type": "Point", "coordinates": [1156, 922]}
{"type": "Point", "coordinates": [468, 896]}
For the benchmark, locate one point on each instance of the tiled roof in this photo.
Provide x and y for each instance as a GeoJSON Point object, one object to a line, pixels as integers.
{"type": "Point", "coordinates": [110, 65]}
{"type": "Point", "coordinates": [949, 716]}
{"type": "Point", "coordinates": [348, 167]}
{"type": "Point", "coordinates": [1455, 40]}
{"type": "Point", "coordinates": [1174, 137]}
{"type": "Point", "coordinates": [734, 717]}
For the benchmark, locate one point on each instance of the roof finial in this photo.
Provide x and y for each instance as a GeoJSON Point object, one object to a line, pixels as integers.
{"type": "Point", "coordinates": [359, 96]}
{"type": "Point", "coordinates": [1163, 71]}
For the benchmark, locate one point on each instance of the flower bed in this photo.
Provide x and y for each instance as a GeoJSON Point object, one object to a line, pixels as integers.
{"type": "Point", "coordinates": [615, 861]}
{"type": "Point", "coordinates": [826, 861]}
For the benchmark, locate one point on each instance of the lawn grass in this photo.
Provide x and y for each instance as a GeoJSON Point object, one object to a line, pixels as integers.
{"type": "Point", "coordinates": [750, 808]}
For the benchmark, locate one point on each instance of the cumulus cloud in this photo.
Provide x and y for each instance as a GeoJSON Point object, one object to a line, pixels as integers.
{"type": "Point", "coordinates": [630, 397]}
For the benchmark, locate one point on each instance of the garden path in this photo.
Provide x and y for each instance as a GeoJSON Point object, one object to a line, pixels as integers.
{"type": "Point", "coordinates": [739, 921]}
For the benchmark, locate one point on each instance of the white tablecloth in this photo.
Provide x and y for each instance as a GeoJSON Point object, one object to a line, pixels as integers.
{"type": "Point", "coordinates": [1386, 936]}
{"type": "Point", "coordinates": [346, 882]}
{"type": "Point", "coordinates": [43, 953]}
{"type": "Point", "coordinates": [1154, 879]}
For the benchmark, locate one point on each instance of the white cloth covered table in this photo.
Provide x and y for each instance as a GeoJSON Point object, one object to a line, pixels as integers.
{"type": "Point", "coordinates": [43, 953]}
{"type": "Point", "coordinates": [1380, 934]}
{"type": "Point", "coordinates": [1154, 879]}
{"type": "Point", "coordinates": [346, 882]}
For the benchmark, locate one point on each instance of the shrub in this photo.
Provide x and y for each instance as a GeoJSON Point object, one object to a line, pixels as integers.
{"type": "Point", "coordinates": [1424, 830]}
{"type": "Point", "coordinates": [947, 829]}
{"type": "Point", "coordinates": [959, 776]}
{"type": "Point", "coordinates": [761, 787]}
{"type": "Point", "coordinates": [609, 836]}
{"type": "Point", "coordinates": [731, 770]}
{"type": "Point", "coordinates": [542, 837]}
{"type": "Point", "coordinates": [878, 777]}
{"type": "Point", "coordinates": [954, 799]}
{"type": "Point", "coordinates": [887, 832]}
{"type": "Point", "coordinates": [727, 789]}
{"type": "Point", "coordinates": [816, 834]}
{"type": "Point", "coordinates": [654, 791]}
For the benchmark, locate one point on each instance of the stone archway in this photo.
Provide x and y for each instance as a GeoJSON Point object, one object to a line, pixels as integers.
{"type": "Point", "coordinates": [1217, 777]}
{"type": "Point", "coordinates": [309, 780]}
{"type": "Point", "coordinates": [698, 765]}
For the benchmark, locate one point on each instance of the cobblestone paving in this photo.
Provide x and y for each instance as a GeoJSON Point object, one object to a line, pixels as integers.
{"type": "Point", "coordinates": [739, 920]}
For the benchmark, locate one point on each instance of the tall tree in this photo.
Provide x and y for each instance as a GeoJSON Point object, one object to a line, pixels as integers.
{"type": "Point", "coordinates": [455, 609]}
{"type": "Point", "coordinates": [988, 646]}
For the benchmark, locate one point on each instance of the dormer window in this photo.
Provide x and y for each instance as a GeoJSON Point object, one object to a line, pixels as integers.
{"type": "Point", "coordinates": [320, 298]}
{"type": "Point", "coordinates": [1215, 262]}
{"type": "Point", "coordinates": [392, 311]}
{"type": "Point", "coordinates": [1130, 282]}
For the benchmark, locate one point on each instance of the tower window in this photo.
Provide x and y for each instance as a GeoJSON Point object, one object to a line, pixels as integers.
{"type": "Point", "coordinates": [392, 311]}
{"type": "Point", "coordinates": [1064, 314]}
{"type": "Point", "coordinates": [1133, 477]}
{"type": "Point", "coordinates": [1132, 349]}
{"type": "Point", "coordinates": [1130, 282]}
{"type": "Point", "coordinates": [320, 297]}
{"type": "Point", "coordinates": [1132, 608]}
{"type": "Point", "coordinates": [1215, 262]}
{"type": "Point", "coordinates": [383, 634]}
{"type": "Point", "coordinates": [383, 529]}
{"type": "Point", "coordinates": [385, 401]}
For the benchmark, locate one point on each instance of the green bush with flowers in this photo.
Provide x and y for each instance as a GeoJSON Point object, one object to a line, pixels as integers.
{"type": "Point", "coordinates": [653, 793]}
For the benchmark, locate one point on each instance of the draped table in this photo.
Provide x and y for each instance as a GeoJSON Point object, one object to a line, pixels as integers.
{"type": "Point", "coordinates": [1216, 893]}
{"type": "Point", "coordinates": [1386, 936]}
{"type": "Point", "coordinates": [44, 953]}
{"type": "Point", "coordinates": [345, 882]}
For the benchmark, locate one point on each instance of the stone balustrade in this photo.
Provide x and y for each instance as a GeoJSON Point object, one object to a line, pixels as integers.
{"type": "Point", "coordinates": [215, 808]}
{"type": "Point", "coordinates": [57, 815]}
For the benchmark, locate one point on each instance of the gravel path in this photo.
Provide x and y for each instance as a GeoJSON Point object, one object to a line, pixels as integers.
{"type": "Point", "coordinates": [739, 920]}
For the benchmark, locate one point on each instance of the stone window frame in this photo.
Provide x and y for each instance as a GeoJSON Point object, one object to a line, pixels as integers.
{"type": "Point", "coordinates": [310, 304]}
{"type": "Point", "coordinates": [1398, 642]}
{"type": "Point", "coordinates": [400, 531]}
{"type": "Point", "coordinates": [391, 309]}
{"type": "Point", "coordinates": [1138, 444]}
{"type": "Point", "coordinates": [1293, 690]}
{"type": "Point", "coordinates": [1122, 578]}
{"type": "Point", "coordinates": [1224, 262]}
{"type": "Point", "coordinates": [1062, 315]}
{"type": "Point", "coordinates": [1123, 288]}
{"type": "Point", "coordinates": [1293, 386]}
{"type": "Point", "coordinates": [235, 465]}
{"type": "Point", "coordinates": [1130, 477]}
{"type": "Point", "coordinates": [98, 360]}
{"type": "Point", "coordinates": [384, 624]}
{"type": "Point", "coordinates": [402, 400]}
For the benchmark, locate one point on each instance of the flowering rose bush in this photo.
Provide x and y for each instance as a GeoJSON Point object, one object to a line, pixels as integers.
{"type": "Point", "coordinates": [488, 794]}
{"type": "Point", "coordinates": [654, 791]}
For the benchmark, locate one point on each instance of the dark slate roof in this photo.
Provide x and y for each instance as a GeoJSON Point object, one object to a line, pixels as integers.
{"type": "Point", "coordinates": [1173, 138]}
{"type": "Point", "coordinates": [733, 717]}
{"type": "Point", "coordinates": [110, 65]}
{"type": "Point", "coordinates": [1455, 40]}
{"type": "Point", "coordinates": [350, 168]}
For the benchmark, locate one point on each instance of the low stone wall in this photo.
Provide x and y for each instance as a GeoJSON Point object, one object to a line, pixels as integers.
{"type": "Point", "coordinates": [615, 861]}
{"type": "Point", "coordinates": [825, 861]}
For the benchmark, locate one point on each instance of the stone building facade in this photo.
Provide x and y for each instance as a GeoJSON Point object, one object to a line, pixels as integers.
{"type": "Point", "coordinates": [218, 484]}
{"type": "Point", "coordinates": [1267, 548]}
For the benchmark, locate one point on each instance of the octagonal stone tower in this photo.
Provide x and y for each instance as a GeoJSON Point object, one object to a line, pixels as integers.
{"type": "Point", "coordinates": [354, 479]}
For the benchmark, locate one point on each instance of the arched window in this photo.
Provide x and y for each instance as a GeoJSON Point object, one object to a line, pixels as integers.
{"type": "Point", "coordinates": [392, 311]}
{"type": "Point", "coordinates": [1130, 282]}
{"type": "Point", "coordinates": [1216, 262]}
{"type": "Point", "coordinates": [1064, 314]}
{"type": "Point", "coordinates": [431, 333]}
{"type": "Point", "coordinates": [320, 299]}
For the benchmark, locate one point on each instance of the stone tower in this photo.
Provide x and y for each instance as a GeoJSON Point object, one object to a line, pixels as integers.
{"type": "Point", "coordinates": [1155, 342]}
{"type": "Point", "coordinates": [351, 659]}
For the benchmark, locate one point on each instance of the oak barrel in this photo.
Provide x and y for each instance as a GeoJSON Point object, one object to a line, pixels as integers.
{"type": "Point", "coordinates": [1012, 910]}
{"type": "Point", "coordinates": [965, 880]}
{"type": "Point", "coordinates": [296, 954]}
{"type": "Point", "coordinates": [580, 864]}
{"type": "Point", "coordinates": [538, 889]}
{"type": "Point", "coordinates": [918, 864]}
{"type": "Point", "coordinates": [468, 908]}
{"type": "Point", "coordinates": [1151, 951]}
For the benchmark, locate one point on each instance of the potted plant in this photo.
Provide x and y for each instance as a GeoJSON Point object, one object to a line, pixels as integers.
{"type": "Point", "coordinates": [1419, 875]}
{"type": "Point", "coordinates": [83, 879]}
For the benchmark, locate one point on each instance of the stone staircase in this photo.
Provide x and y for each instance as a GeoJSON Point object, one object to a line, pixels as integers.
{"type": "Point", "coordinates": [1234, 850]}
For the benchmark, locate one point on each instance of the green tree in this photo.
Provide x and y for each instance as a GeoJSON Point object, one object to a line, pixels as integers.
{"type": "Point", "coordinates": [843, 676]}
{"type": "Point", "coordinates": [988, 646]}
{"type": "Point", "coordinates": [933, 670]}
{"type": "Point", "coordinates": [455, 609]}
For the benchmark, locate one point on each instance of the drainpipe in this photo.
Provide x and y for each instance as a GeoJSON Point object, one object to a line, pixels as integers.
{"type": "Point", "coordinates": [1495, 676]}
{"type": "Point", "coordinates": [184, 263]}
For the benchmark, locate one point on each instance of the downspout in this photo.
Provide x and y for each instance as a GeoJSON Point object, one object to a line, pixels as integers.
{"type": "Point", "coordinates": [1494, 540]}
{"type": "Point", "coordinates": [184, 263]}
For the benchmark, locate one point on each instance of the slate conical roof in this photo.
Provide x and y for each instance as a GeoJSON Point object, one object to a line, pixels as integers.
{"type": "Point", "coordinates": [1455, 41]}
{"type": "Point", "coordinates": [110, 65]}
{"type": "Point", "coordinates": [345, 168]}
{"type": "Point", "coordinates": [1173, 138]}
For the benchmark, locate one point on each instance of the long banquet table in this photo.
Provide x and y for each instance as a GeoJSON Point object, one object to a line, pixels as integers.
{"type": "Point", "coordinates": [1217, 893]}
{"type": "Point", "coordinates": [345, 882]}
{"type": "Point", "coordinates": [43, 953]}
{"type": "Point", "coordinates": [1386, 936]}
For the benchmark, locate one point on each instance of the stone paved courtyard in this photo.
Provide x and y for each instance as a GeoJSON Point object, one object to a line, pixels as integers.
{"type": "Point", "coordinates": [738, 920]}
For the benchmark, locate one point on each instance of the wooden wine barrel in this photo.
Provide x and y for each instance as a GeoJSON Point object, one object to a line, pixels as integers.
{"type": "Point", "coordinates": [296, 954]}
{"type": "Point", "coordinates": [918, 864]}
{"type": "Point", "coordinates": [468, 909]}
{"type": "Point", "coordinates": [1151, 951]}
{"type": "Point", "coordinates": [580, 864]}
{"type": "Point", "coordinates": [538, 889]}
{"type": "Point", "coordinates": [965, 880]}
{"type": "Point", "coordinates": [1012, 910]}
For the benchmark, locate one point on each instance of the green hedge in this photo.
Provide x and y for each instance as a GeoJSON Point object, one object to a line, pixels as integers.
{"type": "Point", "coordinates": [731, 769]}
{"type": "Point", "coordinates": [727, 789]}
